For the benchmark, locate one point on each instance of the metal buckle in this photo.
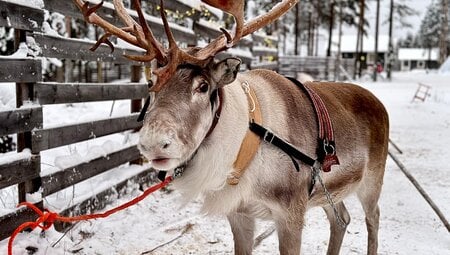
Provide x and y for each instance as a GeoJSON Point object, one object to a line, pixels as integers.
{"type": "Point", "coordinates": [328, 148]}
{"type": "Point", "coordinates": [178, 172]}
{"type": "Point", "coordinates": [246, 86]}
{"type": "Point", "coordinates": [266, 136]}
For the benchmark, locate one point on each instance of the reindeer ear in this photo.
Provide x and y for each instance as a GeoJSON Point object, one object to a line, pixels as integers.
{"type": "Point", "coordinates": [225, 71]}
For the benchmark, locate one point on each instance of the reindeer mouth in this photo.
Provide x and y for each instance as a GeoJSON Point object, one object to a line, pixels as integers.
{"type": "Point", "coordinates": [160, 160]}
{"type": "Point", "coordinates": [164, 163]}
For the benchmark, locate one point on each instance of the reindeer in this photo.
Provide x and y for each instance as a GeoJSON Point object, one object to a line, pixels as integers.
{"type": "Point", "coordinates": [197, 123]}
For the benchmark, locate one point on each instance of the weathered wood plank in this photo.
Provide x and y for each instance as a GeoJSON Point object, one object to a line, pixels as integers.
{"type": "Point", "coordinates": [264, 51]}
{"type": "Point", "coordinates": [266, 65]}
{"type": "Point", "coordinates": [265, 39]}
{"type": "Point", "coordinates": [57, 93]}
{"type": "Point", "coordinates": [20, 17]}
{"type": "Point", "coordinates": [10, 222]}
{"type": "Point", "coordinates": [208, 31]}
{"type": "Point", "coordinates": [245, 57]}
{"type": "Point", "coordinates": [20, 120]}
{"type": "Point", "coordinates": [73, 175]}
{"type": "Point", "coordinates": [20, 170]}
{"type": "Point", "coordinates": [105, 197]}
{"type": "Point", "coordinates": [181, 7]}
{"type": "Point", "coordinates": [20, 70]}
{"type": "Point", "coordinates": [108, 13]}
{"type": "Point", "coordinates": [319, 67]}
{"type": "Point", "coordinates": [60, 47]}
{"type": "Point", "coordinates": [54, 137]}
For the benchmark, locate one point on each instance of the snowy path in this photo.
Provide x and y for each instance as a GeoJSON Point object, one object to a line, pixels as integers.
{"type": "Point", "coordinates": [408, 225]}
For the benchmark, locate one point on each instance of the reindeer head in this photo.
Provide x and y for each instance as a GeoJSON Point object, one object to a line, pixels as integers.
{"type": "Point", "coordinates": [181, 114]}
{"type": "Point", "coordinates": [186, 94]}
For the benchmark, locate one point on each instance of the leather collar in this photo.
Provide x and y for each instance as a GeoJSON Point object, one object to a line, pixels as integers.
{"type": "Point", "coordinates": [217, 113]}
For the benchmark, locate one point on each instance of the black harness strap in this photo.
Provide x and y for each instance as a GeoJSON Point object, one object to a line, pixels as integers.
{"type": "Point", "coordinates": [287, 148]}
{"type": "Point", "coordinates": [271, 138]}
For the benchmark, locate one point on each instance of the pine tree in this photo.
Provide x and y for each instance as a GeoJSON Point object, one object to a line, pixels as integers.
{"type": "Point", "coordinates": [430, 28]}
{"type": "Point", "coordinates": [443, 39]}
{"type": "Point", "coordinates": [399, 10]}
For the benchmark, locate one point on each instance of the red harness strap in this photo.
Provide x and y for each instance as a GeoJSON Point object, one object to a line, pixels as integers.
{"type": "Point", "coordinates": [47, 218]}
{"type": "Point", "coordinates": [325, 126]}
{"type": "Point", "coordinates": [327, 150]}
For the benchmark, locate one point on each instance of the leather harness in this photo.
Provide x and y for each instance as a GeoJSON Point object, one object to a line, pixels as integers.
{"type": "Point", "coordinates": [326, 149]}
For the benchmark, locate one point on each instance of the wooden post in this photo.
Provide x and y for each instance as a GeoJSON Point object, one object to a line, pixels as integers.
{"type": "Point", "coordinates": [99, 71]}
{"type": "Point", "coordinates": [68, 63]}
{"type": "Point", "coordinates": [136, 72]}
{"type": "Point", "coordinates": [136, 104]}
{"type": "Point", "coordinates": [377, 24]}
{"type": "Point", "coordinates": [24, 92]}
{"type": "Point", "coordinates": [337, 73]}
{"type": "Point", "coordinates": [391, 45]}
{"type": "Point", "coordinates": [297, 29]}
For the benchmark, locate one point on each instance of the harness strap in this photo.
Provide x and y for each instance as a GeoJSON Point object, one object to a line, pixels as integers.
{"type": "Point", "coordinates": [326, 150]}
{"type": "Point", "coordinates": [251, 142]}
{"type": "Point", "coordinates": [271, 138]}
{"type": "Point", "coordinates": [325, 125]}
{"type": "Point", "coordinates": [287, 148]}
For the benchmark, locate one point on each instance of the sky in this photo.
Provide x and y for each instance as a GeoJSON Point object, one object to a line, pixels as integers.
{"type": "Point", "coordinates": [418, 5]}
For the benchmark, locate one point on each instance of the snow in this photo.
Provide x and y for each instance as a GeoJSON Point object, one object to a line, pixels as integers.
{"type": "Point", "coordinates": [21, 52]}
{"type": "Point", "coordinates": [30, 3]}
{"type": "Point", "coordinates": [445, 67]}
{"type": "Point", "coordinates": [197, 5]}
{"type": "Point", "coordinates": [7, 96]}
{"type": "Point", "coordinates": [6, 158]}
{"type": "Point", "coordinates": [407, 223]}
{"type": "Point", "coordinates": [348, 43]}
{"type": "Point", "coordinates": [418, 54]}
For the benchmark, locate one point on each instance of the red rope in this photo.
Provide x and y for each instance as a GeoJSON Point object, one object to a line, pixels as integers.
{"type": "Point", "coordinates": [47, 218]}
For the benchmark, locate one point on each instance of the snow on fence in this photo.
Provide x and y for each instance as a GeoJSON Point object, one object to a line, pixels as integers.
{"type": "Point", "coordinates": [24, 168]}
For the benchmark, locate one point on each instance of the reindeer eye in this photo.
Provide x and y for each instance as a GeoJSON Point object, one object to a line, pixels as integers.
{"type": "Point", "coordinates": [203, 88]}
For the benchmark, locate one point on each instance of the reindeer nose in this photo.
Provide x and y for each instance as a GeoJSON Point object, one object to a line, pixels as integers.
{"type": "Point", "coordinates": [165, 144]}
{"type": "Point", "coordinates": [161, 146]}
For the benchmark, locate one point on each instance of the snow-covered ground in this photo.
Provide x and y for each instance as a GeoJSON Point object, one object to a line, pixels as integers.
{"type": "Point", "coordinates": [408, 225]}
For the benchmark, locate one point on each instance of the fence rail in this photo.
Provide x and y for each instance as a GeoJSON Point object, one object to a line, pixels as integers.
{"type": "Point", "coordinates": [19, 170]}
{"type": "Point", "coordinates": [27, 120]}
{"type": "Point", "coordinates": [321, 68]}
{"type": "Point", "coordinates": [58, 93]}
{"type": "Point", "coordinates": [45, 139]}
{"type": "Point", "coordinates": [20, 70]}
{"type": "Point", "coordinates": [75, 174]}
{"type": "Point", "coordinates": [20, 120]}
{"type": "Point", "coordinates": [31, 21]}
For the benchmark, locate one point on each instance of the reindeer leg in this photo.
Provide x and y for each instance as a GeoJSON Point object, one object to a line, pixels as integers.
{"type": "Point", "coordinates": [243, 227]}
{"type": "Point", "coordinates": [289, 234]}
{"type": "Point", "coordinates": [372, 212]}
{"type": "Point", "coordinates": [337, 231]}
{"type": "Point", "coordinates": [368, 194]}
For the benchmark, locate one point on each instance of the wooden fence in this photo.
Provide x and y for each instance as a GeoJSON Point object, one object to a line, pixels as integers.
{"type": "Point", "coordinates": [26, 120]}
{"type": "Point", "coordinates": [321, 68]}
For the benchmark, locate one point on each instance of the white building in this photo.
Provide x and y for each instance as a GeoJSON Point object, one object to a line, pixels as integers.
{"type": "Point", "coordinates": [348, 48]}
{"type": "Point", "coordinates": [418, 58]}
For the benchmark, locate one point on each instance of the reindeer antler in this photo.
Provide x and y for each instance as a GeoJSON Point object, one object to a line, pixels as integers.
{"type": "Point", "coordinates": [140, 34]}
